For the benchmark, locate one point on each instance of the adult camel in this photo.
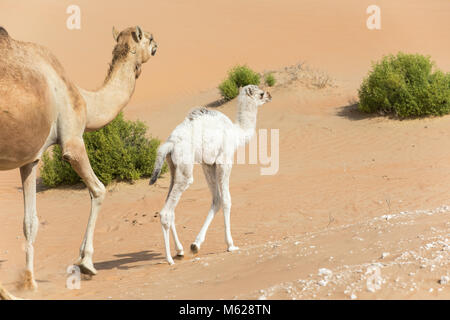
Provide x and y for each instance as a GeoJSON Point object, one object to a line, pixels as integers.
{"type": "Point", "coordinates": [40, 106]}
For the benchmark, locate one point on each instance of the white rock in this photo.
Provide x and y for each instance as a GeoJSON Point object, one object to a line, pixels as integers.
{"type": "Point", "coordinates": [323, 283]}
{"type": "Point", "coordinates": [325, 272]}
{"type": "Point", "coordinates": [385, 255]}
{"type": "Point", "coordinates": [444, 280]}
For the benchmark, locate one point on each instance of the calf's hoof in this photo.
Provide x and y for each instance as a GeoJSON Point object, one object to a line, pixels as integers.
{"type": "Point", "coordinates": [195, 248]}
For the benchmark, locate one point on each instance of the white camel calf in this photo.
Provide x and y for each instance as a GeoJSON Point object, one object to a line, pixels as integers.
{"type": "Point", "coordinates": [210, 138]}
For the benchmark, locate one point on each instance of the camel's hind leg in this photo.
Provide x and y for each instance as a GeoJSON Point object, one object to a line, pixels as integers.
{"type": "Point", "coordinates": [178, 245]}
{"type": "Point", "coordinates": [74, 151]}
{"type": "Point", "coordinates": [210, 175]}
{"type": "Point", "coordinates": [182, 178]}
{"type": "Point", "coordinates": [30, 221]}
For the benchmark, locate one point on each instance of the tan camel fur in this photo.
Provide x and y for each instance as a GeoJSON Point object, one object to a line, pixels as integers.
{"type": "Point", "coordinates": [40, 106]}
{"type": "Point", "coordinates": [5, 295]}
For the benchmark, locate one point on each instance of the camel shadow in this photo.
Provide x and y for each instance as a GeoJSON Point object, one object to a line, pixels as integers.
{"type": "Point", "coordinates": [125, 259]}
{"type": "Point", "coordinates": [216, 104]}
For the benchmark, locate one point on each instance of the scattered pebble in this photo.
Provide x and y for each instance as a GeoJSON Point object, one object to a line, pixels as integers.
{"type": "Point", "coordinates": [323, 283]}
{"type": "Point", "coordinates": [325, 272]}
{"type": "Point", "coordinates": [444, 280]}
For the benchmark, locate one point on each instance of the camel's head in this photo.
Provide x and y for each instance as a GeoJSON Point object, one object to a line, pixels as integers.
{"type": "Point", "coordinates": [133, 43]}
{"type": "Point", "coordinates": [256, 94]}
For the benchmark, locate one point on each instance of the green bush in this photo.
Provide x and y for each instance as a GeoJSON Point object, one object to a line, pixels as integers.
{"type": "Point", "coordinates": [228, 89]}
{"type": "Point", "coordinates": [120, 151]}
{"type": "Point", "coordinates": [269, 79]}
{"type": "Point", "coordinates": [405, 85]}
{"type": "Point", "coordinates": [238, 76]}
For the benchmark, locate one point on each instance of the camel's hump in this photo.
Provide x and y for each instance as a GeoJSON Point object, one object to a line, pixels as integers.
{"type": "Point", "coordinates": [199, 112]}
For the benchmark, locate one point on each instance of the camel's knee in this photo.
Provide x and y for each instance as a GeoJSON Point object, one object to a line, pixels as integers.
{"type": "Point", "coordinates": [68, 157]}
{"type": "Point", "coordinates": [98, 192]}
{"type": "Point", "coordinates": [166, 218]}
{"type": "Point", "coordinates": [30, 227]}
{"type": "Point", "coordinates": [226, 204]}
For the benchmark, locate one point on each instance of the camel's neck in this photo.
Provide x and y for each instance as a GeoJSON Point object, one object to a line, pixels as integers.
{"type": "Point", "coordinates": [246, 119]}
{"type": "Point", "coordinates": [105, 104]}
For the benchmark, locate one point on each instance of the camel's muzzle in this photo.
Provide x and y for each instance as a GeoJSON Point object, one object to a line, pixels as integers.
{"type": "Point", "coordinates": [154, 49]}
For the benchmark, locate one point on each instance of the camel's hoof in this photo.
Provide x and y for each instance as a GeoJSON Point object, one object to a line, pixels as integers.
{"type": "Point", "coordinates": [170, 262]}
{"type": "Point", "coordinates": [87, 268]}
{"type": "Point", "coordinates": [195, 248]}
{"type": "Point", "coordinates": [232, 248]}
{"type": "Point", "coordinates": [28, 281]}
{"type": "Point", "coordinates": [180, 255]}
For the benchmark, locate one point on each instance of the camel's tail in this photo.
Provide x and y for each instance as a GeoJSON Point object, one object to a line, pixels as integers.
{"type": "Point", "coordinates": [163, 150]}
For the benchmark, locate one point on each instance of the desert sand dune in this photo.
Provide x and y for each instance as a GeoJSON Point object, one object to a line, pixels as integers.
{"type": "Point", "coordinates": [344, 178]}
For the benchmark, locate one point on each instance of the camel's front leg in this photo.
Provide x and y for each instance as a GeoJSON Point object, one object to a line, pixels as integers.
{"type": "Point", "coordinates": [211, 178]}
{"type": "Point", "coordinates": [223, 177]}
{"type": "Point", "coordinates": [75, 153]}
{"type": "Point", "coordinates": [30, 221]}
{"type": "Point", "coordinates": [5, 295]}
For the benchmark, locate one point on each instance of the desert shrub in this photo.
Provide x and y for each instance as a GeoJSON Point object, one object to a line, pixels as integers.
{"type": "Point", "coordinates": [228, 89]}
{"type": "Point", "coordinates": [243, 75]}
{"type": "Point", "coordinates": [406, 85]}
{"type": "Point", "coordinates": [238, 76]}
{"type": "Point", "coordinates": [269, 79]}
{"type": "Point", "coordinates": [120, 151]}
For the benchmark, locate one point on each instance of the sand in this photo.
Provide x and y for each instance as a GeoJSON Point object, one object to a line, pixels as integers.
{"type": "Point", "coordinates": [354, 194]}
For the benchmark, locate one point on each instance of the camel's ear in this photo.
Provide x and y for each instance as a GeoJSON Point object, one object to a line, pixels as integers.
{"type": "Point", "coordinates": [249, 91]}
{"type": "Point", "coordinates": [137, 35]}
{"type": "Point", "coordinates": [115, 33]}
